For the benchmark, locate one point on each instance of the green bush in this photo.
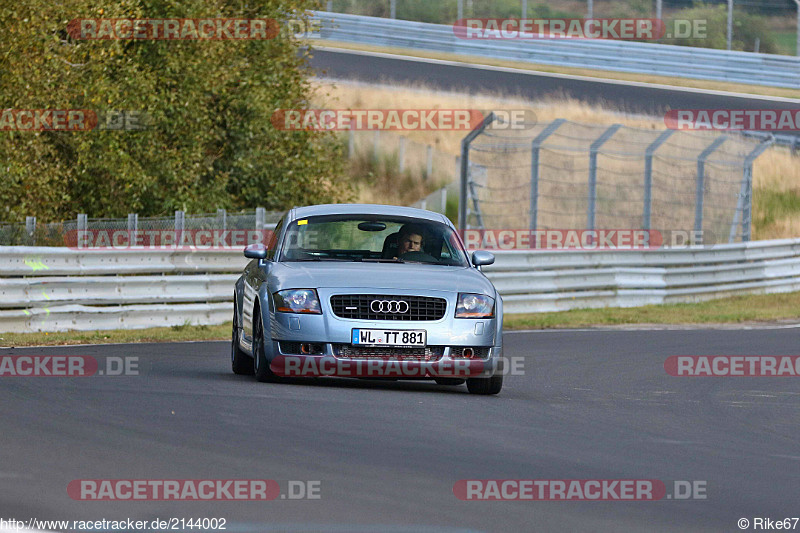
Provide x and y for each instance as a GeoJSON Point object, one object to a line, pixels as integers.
{"type": "Point", "coordinates": [746, 28]}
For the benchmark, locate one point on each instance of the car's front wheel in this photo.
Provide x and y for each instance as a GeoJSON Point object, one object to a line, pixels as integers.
{"type": "Point", "coordinates": [490, 385]}
{"type": "Point", "coordinates": [241, 364]}
{"type": "Point", "coordinates": [260, 365]}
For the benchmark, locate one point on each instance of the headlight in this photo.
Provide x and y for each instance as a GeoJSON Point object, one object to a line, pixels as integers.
{"type": "Point", "coordinates": [475, 306]}
{"type": "Point", "coordinates": [297, 301]}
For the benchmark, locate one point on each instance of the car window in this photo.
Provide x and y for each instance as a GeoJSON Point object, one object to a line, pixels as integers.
{"type": "Point", "coordinates": [371, 238]}
{"type": "Point", "coordinates": [272, 244]}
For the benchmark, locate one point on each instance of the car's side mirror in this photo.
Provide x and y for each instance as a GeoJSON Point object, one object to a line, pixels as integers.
{"type": "Point", "coordinates": [256, 251]}
{"type": "Point", "coordinates": [482, 258]}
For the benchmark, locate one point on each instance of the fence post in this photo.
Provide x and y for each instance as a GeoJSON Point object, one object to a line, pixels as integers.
{"type": "Point", "coordinates": [401, 155]}
{"type": "Point", "coordinates": [648, 176]}
{"type": "Point", "coordinates": [376, 144]}
{"type": "Point", "coordinates": [700, 191]}
{"type": "Point", "coordinates": [535, 146]}
{"type": "Point", "coordinates": [261, 217]}
{"type": "Point", "coordinates": [133, 227]}
{"type": "Point", "coordinates": [593, 149]}
{"type": "Point", "coordinates": [30, 228]}
{"type": "Point", "coordinates": [465, 142]}
{"type": "Point", "coordinates": [222, 214]}
{"type": "Point", "coordinates": [745, 201]}
{"type": "Point", "coordinates": [83, 228]}
{"type": "Point", "coordinates": [428, 162]}
{"type": "Point", "coordinates": [180, 224]}
{"type": "Point", "coordinates": [351, 144]}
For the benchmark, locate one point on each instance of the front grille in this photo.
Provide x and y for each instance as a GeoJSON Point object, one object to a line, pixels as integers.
{"type": "Point", "coordinates": [428, 353]}
{"type": "Point", "coordinates": [358, 306]}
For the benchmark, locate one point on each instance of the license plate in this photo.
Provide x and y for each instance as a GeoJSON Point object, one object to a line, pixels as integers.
{"type": "Point", "coordinates": [389, 337]}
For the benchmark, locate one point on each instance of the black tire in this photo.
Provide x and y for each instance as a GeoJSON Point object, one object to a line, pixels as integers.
{"type": "Point", "coordinates": [452, 382]}
{"type": "Point", "coordinates": [485, 386]}
{"type": "Point", "coordinates": [260, 366]}
{"type": "Point", "coordinates": [241, 363]}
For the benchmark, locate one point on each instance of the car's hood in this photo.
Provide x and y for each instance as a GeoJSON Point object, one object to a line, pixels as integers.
{"type": "Point", "coordinates": [384, 276]}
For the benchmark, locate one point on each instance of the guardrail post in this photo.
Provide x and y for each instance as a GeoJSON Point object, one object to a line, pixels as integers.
{"type": "Point", "coordinates": [593, 149]}
{"type": "Point", "coordinates": [460, 9]}
{"type": "Point", "coordinates": [329, 6]}
{"type": "Point", "coordinates": [401, 155]}
{"type": "Point", "coordinates": [648, 176]}
{"type": "Point", "coordinates": [700, 192]}
{"type": "Point", "coordinates": [392, 9]}
{"type": "Point", "coordinates": [464, 172]}
{"type": "Point", "coordinates": [376, 144]}
{"type": "Point", "coordinates": [535, 146]}
{"type": "Point", "coordinates": [745, 201]}
{"type": "Point", "coordinates": [261, 217]}
{"type": "Point", "coordinates": [222, 215]}
{"type": "Point", "coordinates": [444, 200]}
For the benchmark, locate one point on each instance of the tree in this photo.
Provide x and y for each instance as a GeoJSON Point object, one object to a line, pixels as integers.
{"type": "Point", "coordinates": [207, 141]}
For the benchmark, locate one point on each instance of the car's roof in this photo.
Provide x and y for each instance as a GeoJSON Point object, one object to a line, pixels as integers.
{"type": "Point", "coordinates": [366, 209]}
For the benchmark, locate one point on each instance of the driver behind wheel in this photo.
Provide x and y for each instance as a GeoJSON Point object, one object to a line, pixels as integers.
{"type": "Point", "coordinates": [410, 239]}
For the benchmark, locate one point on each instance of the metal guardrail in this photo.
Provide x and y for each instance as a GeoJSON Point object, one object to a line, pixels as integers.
{"type": "Point", "coordinates": [57, 289]}
{"type": "Point", "coordinates": [619, 56]}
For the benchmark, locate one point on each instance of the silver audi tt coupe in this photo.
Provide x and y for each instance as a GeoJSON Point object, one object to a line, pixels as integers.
{"type": "Point", "coordinates": [368, 291]}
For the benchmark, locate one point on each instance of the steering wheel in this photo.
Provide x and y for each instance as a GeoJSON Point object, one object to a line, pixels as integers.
{"type": "Point", "coordinates": [422, 257]}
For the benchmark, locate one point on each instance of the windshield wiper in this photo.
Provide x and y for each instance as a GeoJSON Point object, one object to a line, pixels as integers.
{"type": "Point", "coordinates": [306, 259]}
{"type": "Point", "coordinates": [382, 260]}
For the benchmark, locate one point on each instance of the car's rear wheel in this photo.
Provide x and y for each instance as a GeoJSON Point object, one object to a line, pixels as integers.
{"type": "Point", "coordinates": [241, 364]}
{"type": "Point", "coordinates": [490, 385]}
{"type": "Point", "coordinates": [260, 365]}
{"type": "Point", "coordinates": [450, 381]}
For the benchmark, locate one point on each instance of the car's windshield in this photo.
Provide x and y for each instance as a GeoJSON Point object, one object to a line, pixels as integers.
{"type": "Point", "coordinates": [372, 239]}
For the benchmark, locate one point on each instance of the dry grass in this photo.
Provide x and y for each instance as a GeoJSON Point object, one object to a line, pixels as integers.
{"type": "Point", "coordinates": [776, 171]}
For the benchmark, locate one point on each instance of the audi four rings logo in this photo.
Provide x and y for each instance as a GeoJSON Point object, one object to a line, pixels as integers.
{"type": "Point", "coordinates": [395, 307]}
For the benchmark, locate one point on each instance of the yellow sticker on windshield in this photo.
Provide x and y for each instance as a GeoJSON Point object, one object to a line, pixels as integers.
{"type": "Point", "coordinates": [302, 222]}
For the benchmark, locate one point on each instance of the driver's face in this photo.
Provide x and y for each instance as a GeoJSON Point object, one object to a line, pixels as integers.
{"type": "Point", "coordinates": [410, 243]}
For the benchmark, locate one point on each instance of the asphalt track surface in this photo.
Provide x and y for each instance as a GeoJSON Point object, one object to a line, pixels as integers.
{"type": "Point", "coordinates": [623, 96]}
{"type": "Point", "coordinates": [589, 405]}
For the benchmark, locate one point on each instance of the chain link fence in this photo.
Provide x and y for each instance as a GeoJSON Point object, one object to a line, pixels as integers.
{"type": "Point", "coordinates": [568, 175]}
{"type": "Point", "coordinates": [65, 233]}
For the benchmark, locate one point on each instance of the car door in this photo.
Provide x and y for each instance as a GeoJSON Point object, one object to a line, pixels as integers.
{"type": "Point", "coordinates": [255, 274]}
